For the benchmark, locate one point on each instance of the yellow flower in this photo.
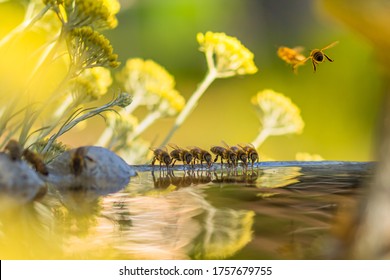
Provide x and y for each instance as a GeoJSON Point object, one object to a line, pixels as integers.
{"type": "Point", "coordinates": [147, 81]}
{"type": "Point", "coordinates": [226, 54]}
{"type": "Point", "coordinates": [172, 102]}
{"type": "Point", "coordinates": [99, 14]}
{"type": "Point", "coordinates": [278, 113]}
{"type": "Point", "coordinates": [89, 48]}
{"type": "Point", "coordinates": [121, 121]}
{"type": "Point", "coordinates": [92, 83]}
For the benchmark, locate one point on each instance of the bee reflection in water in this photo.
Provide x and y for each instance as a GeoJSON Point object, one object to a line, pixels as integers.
{"type": "Point", "coordinates": [195, 178]}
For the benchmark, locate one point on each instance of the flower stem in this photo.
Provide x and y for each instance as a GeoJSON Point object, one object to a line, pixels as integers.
{"type": "Point", "coordinates": [27, 23]}
{"type": "Point", "coordinates": [148, 121]}
{"type": "Point", "coordinates": [212, 74]}
{"type": "Point", "coordinates": [264, 134]}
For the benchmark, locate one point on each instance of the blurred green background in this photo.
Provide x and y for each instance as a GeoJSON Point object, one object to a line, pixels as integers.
{"type": "Point", "coordinates": [340, 103]}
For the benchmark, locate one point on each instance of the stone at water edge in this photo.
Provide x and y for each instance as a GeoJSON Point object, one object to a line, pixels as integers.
{"type": "Point", "coordinates": [90, 167]}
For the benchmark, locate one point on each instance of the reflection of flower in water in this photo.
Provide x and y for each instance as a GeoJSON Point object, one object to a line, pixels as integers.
{"type": "Point", "coordinates": [279, 177]}
{"type": "Point", "coordinates": [225, 232]}
{"type": "Point", "coordinates": [308, 157]}
{"type": "Point", "coordinates": [169, 226]}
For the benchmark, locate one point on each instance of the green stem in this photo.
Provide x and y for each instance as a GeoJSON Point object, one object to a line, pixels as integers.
{"type": "Point", "coordinates": [264, 134]}
{"type": "Point", "coordinates": [192, 102]}
{"type": "Point", "coordinates": [148, 121]}
{"type": "Point", "coordinates": [72, 123]}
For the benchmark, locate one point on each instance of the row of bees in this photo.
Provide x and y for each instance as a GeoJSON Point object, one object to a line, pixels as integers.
{"type": "Point", "coordinates": [232, 155]}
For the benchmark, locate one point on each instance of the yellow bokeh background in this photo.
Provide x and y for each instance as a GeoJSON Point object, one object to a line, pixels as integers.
{"type": "Point", "coordinates": [340, 103]}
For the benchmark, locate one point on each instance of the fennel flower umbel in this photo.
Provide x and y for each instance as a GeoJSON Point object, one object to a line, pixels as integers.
{"type": "Point", "coordinates": [225, 57]}
{"type": "Point", "coordinates": [99, 14]}
{"type": "Point", "coordinates": [278, 115]}
{"type": "Point", "coordinates": [145, 79]}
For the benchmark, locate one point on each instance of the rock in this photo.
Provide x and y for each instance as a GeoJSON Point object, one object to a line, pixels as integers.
{"type": "Point", "coordinates": [90, 167]}
{"type": "Point", "coordinates": [18, 181]}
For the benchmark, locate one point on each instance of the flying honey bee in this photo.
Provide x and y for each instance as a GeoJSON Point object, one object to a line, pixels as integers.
{"type": "Point", "coordinates": [251, 152]}
{"type": "Point", "coordinates": [241, 154]}
{"type": "Point", "coordinates": [36, 161]}
{"type": "Point", "coordinates": [293, 56]}
{"type": "Point", "coordinates": [14, 150]}
{"type": "Point", "coordinates": [77, 161]}
{"type": "Point", "coordinates": [201, 155]}
{"type": "Point", "coordinates": [161, 154]}
{"type": "Point", "coordinates": [318, 56]}
{"type": "Point", "coordinates": [180, 154]}
{"type": "Point", "coordinates": [224, 153]}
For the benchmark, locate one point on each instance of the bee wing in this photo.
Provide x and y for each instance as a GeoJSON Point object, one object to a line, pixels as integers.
{"type": "Point", "coordinates": [193, 148]}
{"type": "Point", "coordinates": [226, 145]}
{"type": "Point", "coordinates": [299, 49]}
{"type": "Point", "coordinates": [251, 145]}
{"type": "Point", "coordinates": [156, 148]}
{"type": "Point", "coordinates": [174, 146]}
{"type": "Point", "coordinates": [329, 46]}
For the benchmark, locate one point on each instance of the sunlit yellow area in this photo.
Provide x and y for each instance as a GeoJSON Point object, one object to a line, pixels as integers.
{"type": "Point", "coordinates": [300, 81]}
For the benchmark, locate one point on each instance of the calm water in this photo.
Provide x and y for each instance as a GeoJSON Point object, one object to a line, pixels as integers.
{"type": "Point", "coordinates": [278, 210]}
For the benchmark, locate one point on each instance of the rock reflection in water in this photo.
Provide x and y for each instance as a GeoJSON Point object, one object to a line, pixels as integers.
{"type": "Point", "coordinates": [265, 213]}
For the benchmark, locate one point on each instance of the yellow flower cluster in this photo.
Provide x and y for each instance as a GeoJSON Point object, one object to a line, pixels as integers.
{"type": "Point", "coordinates": [122, 122]}
{"type": "Point", "coordinates": [171, 102]}
{"type": "Point", "coordinates": [99, 14]}
{"type": "Point", "coordinates": [151, 85]}
{"type": "Point", "coordinates": [231, 57]}
{"type": "Point", "coordinates": [278, 113]}
{"type": "Point", "coordinates": [92, 83]}
{"type": "Point", "coordinates": [89, 48]}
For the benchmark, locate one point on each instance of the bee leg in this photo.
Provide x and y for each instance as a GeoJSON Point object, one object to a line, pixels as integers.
{"type": "Point", "coordinates": [328, 58]}
{"type": "Point", "coordinates": [216, 158]}
{"type": "Point", "coordinates": [314, 65]}
{"type": "Point", "coordinates": [173, 163]}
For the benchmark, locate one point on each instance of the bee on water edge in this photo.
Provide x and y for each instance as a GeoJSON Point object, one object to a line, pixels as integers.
{"type": "Point", "coordinates": [241, 154]}
{"type": "Point", "coordinates": [251, 152]}
{"type": "Point", "coordinates": [224, 153]}
{"type": "Point", "coordinates": [180, 154]}
{"type": "Point", "coordinates": [161, 155]}
{"type": "Point", "coordinates": [200, 155]}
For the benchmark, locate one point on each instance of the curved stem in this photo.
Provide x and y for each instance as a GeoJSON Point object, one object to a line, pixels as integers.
{"type": "Point", "coordinates": [264, 134]}
{"type": "Point", "coordinates": [148, 121]}
{"type": "Point", "coordinates": [192, 102]}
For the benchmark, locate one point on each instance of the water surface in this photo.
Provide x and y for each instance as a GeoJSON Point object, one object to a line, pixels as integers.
{"type": "Point", "coordinates": [277, 210]}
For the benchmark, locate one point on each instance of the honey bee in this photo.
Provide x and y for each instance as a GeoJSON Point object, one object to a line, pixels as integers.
{"type": "Point", "coordinates": [77, 161]}
{"type": "Point", "coordinates": [318, 56]}
{"type": "Point", "coordinates": [161, 154]}
{"type": "Point", "coordinates": [241, 154]}
{"type": "Point", "coordinates": [251, 152]}
{"type": "Point", "coordinates": [36, 161]}
{"type": "Point", "coordinates": [201, 155]}
{"type": "Point", "coordinates": [225, 153]}
{"type": "Point", "coordinates": [14, 150]}
{"type": "Point", "coordinates": [293, 56]}
{"type": "Point", "coordinates": [180, 154]}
